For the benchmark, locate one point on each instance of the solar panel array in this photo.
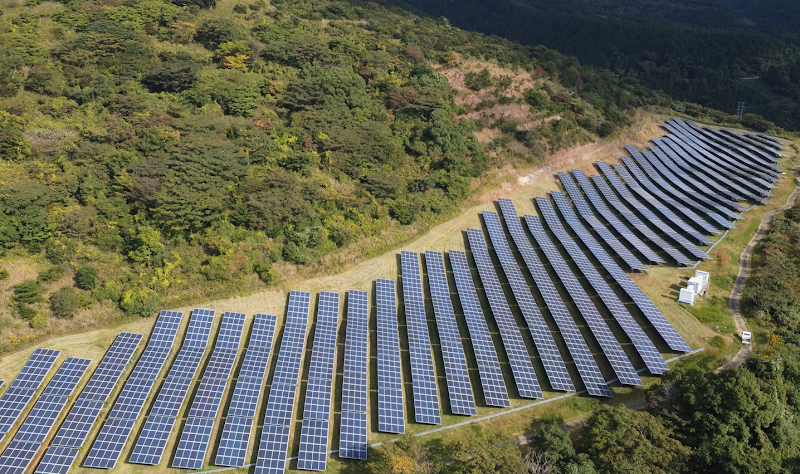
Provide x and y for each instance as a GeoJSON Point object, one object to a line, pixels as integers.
{"type": "Point", "coordinates": [513, 343]}
{"type": "Point", "coordinates": [353, 428]}
{"type": "Point", "coordinates": [244, 402]}
{"type": "Point", "coordinates": [423, 376]}
{"type": "Point", "coordinates": [459, 388]}
{"type": "Point", "coordinates": [659, 322]}
{"type": "Point", "coordinates": [116, 430]}
{"type": "Point", "coordinates": [70, 437]}
{"type": "Point", "coordinates": [390, 373]}
{"type": "Point", "coordinates": [20, 452]}
{"type": "Point", "coordinates": [317, 411]}
{"type": "Point", "coordinates": [196, 434]}
{"type": "Point", "coordinates": [644, 346]}
{"type": "Point", "coordinates": [274, 443]}
{"type": "Point", "coordinates": [150, 446]}
{"type": "Point", "coordinates": [24, 386]}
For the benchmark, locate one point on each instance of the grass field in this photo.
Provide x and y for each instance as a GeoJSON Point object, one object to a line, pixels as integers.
{"type": "Point", "coordinates": [707, 325]}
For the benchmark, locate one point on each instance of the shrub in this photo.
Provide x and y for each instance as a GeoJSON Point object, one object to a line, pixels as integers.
{"type": "Point", "coordinates": [478, 80]}
{"type": "Point", "coordinates": [38, 322]}
{"type": "Point", "coordinates": [214, 32]}
{"type": "Point", "coordinates": [28, 291]}
{"type": "Point", "coordinates": [141, 301]}
{"type": "Point", "coordinates": [265, 271]}
{"type": "Point", "coordinates": [86, 278]}
{"type": "Point", "coordinates": [239, 8]}
{"type": "Point", "coordinates": [64, 303]}
{"type": "Point", "coordinates": [52, 274]}
{"type": "Point", "coordinates": [26, 312]}
{"type": "Point", "coordinates": [606, 129]}
{"type": "Point", "coordinates": [59, 251]}
{"type": "Point", "coordinates": [174, 76]}
{"type": "Point", "coordinates": [4, 274]}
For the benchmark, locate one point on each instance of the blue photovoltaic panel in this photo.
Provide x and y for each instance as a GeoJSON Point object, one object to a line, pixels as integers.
{"type": "Point", "coordinates": [736, 151]}
{"type": "Point", "coordinates": [73, 432]}
{"type": "Point", "coordinates": [242, 410]}
{"type": "Point", "coordinates": [555, 305]}
{"type": "Point", "coordinates": [649, 215]}
{"type": "Point", "coordinates": [24, 386]}
{"type": "Point", "coordinates": [643, 182]}
{"type": "Point", "coordinates": [586, 212]}
{"type": "Point", "coordinates": [423, 376]}
{"type": "Point", "coordinates": [274, 442]}
{"type": "Point", "coordinates": [390, 383]}
{"type": "Point", "coordinates": [494, 387]}
{"type": "Point", "coordinates": [459, 388]}
{"type": "Point", "coordinates": [659, 322]}
{"type": "Point", "coordinates": [312, 455]}
{"type": "Point", "coordinates": [193, 443]}
{"type": "Point", "coordinates": [644, 346]}
{"type": "Point", "coordinates": [353, 427]}
{"type": "Point", "coordinates": [589, 187]}
{"type": "Point", "coordinates": [581, 354]}
{"type": "Point", "coordinates": [150, 446]}
{"type": "Point", "coordinates": [514, 344]}
{"type": "Point", "coordinates": [19, 455]}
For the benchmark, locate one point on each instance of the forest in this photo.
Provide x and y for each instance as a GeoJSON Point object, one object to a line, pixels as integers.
{"type": "Point", "coordinates": [740, 420]}
{"type": "Point", "coordinates": [706, 53]}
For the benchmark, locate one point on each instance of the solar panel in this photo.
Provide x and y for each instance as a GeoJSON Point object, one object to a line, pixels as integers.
{"type": "Point", "coordinates": [662, 326]}
{"type": "Point", "coordinates": [280, 405]}
{"type": "Point", "coordinates": [73, 432]}
{"type": "Point", "coordinates": [353, 427]}
{"type": "Point", "coordinates": [517, 352]}
{"type": "Point", "coordinates": [150, 446]}
{"type": "Point", "coordinates": [644, 346]}
{"type": "Point", "coordinates": [494, 388]}
{"type": "Point", "coordinates": [455, 367]}
{"type": "Point", "coordinates": [244, 401]}
{"type": "Point", "coordinates": [650, 216]}
{"type": "Point", "coordinates": [317, 410]}
{"type": "Point", "coordinates": [676, 187]}
{"type": "Point", "coordinates": [426, 397]}
{"type": "Point", "coordinates": [555, 305]}
{"type": "Point", "coordinates": [634, 221]}
{"type": "Point", "coordinates": [737, 151]}
{"type": "Point", "coordinates": [18, 456]}
{"type": "Point", "coordinates": [390, 383]}
{"type": "Point", "coordinates": [193, 443]}
{"type": "Point", "coordinates": [24, 386]}
{"type": "Point", "coordinates": [605, 234]}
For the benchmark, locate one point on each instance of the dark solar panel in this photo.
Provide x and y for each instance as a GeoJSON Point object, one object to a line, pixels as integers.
{"type": "Point", "coordinates": [555, 305]}
{"type": "Point", "coordinates": [586, 213]}
{"type": "Point", "coordinates": [242, 409]}
{"type": "Point", "coordinates": [353, 427]}
{"type": "Point", "coordinates": [462, 401]}
{"type": "Point", "coordinates": [73, 432]}
{"type": "Point", "coordinates": [20, 453]}
{"type": "Point", "coordinates": [149, 447]}
{"type": "Point", "coordinates": [514, 344]}
{"type": "Point", "coordinates": [274, 441]}
{"type": "Point", "coordinates": [24, 386]}
{"type": "Point", "coordinates": [494, 388]}
{"type": "Point", "coordinates": [655, 317]}
{"type": "Point", "coordinates": [426, 397]}
{"type": "Point", "coordinates": [390, 383]}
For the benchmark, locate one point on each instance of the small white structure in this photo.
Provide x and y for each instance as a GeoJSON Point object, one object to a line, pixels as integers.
{"type": "Point", "coordinates": [697, 285]}
{"type": "Point", "coordinates": [746, 336]}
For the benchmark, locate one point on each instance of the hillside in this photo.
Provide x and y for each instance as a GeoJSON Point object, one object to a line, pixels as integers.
{"type": "Point", "coordinates": [711, 53]}
{"type": "Point", "coordinates": [156, 154]}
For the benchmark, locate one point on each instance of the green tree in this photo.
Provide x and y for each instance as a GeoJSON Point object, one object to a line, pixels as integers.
{"type": "Point", "coordinates": [145, 246]}
{"type": "Point", "coordinates": [28, 291]}
{"type": "Point", "coordinates": [65, 302]}
{"type": "Point", "coordinates": [237, 92]}
{"type": "Point", "coordinates": [86, 278]}
{"type": "Point", "coordinates": [173, 76]}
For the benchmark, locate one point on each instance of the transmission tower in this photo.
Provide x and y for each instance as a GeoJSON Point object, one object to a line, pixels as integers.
{"type": "Point", "coordinates": [740, 108]}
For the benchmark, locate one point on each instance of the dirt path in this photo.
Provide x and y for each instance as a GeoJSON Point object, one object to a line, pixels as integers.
{"type": "Point", "coordinates": [734, 302]}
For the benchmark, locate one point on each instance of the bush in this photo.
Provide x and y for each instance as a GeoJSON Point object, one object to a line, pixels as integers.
{"type": "Point", "coordinates": [52, 274]}
{"type": "Point", "coordinates": [265, 271]}
{"type": "Point", "coordinates": [214, 32]}
{"type": "Point", "coordinates": [4, 274]}
{"type": "Point", "coordinates": [172, 76]}
{"type": "Point", "coordinates": [86, 278]}
{"type": "Point", "coordinates": [65, 302]}
{"type": "Point", "coordinates": [142, 302]}
{"type": "Point", "coordinates": [38, 322]}
{"type": "Point", "coordinates": [239, 8]}
{"type": "Point", "coordinates": [59, 251]}
{"type": "Point", "coordinates": [26, 312]}
{"type": "Point", "coordinates": [478, 80]}
{"type": "Point", "coordinates": [606, 129]}
{"type": "Point", "coordinates": [28, 291]}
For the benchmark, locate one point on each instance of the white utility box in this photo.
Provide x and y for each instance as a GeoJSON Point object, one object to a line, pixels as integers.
{"type": "Point", "coordinates": [746, 336]}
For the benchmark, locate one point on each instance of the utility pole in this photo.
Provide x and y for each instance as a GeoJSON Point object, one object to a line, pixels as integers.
{"type": "Point", "coordinates": [740, 108]}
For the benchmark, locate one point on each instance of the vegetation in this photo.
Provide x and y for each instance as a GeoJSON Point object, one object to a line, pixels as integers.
{"type": "Point", "coordinates": [174, 150]}
{"type": "Point", "coordinates": [710, 53]}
